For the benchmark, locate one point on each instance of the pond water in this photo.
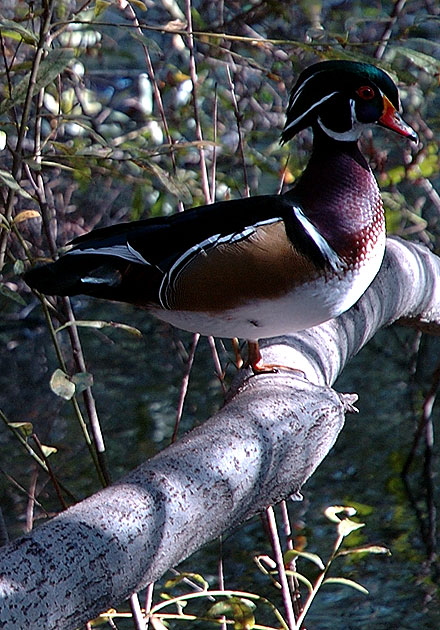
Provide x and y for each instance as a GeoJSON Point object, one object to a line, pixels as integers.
{"type": "Point", "coordinates": [137, 383]}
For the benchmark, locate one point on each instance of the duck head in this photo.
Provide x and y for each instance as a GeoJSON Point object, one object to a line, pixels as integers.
{"type": "Point", "coordinates": [342, 98]}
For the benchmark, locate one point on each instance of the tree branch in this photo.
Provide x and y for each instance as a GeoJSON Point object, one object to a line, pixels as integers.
{"type": "Point", "coordinates": [260, 448]}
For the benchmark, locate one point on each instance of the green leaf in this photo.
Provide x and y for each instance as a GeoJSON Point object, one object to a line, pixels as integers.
{"type": "Point", "coordinates": [82, 381]}
{"type": "Point", "coordinates": [301, 578]}
{"type": "Point", "coordinates": [51, 66]}
{"type": "Point", "coordinates": [11, 294]}
{"type": "Point", "coordinates": [346, 582]}
{"type": "Point", "coordinates": [239, 609]}
{"type": "Point", "coordinates": [25, 428]}
{"type": "Point", "coordinates": [19, 269]}
{"type": "Point", "coordinates": [366, 549]}
{"type": "Point", "coordinates": [95, 323]}
{"type": "Point", "coordinates": [428, 63]}
{"type": "Point", "coordinates": [12, 183]}
{"type": "Point", "coordinates": [170, 184]}
{"type": "Point", "coordinates": [313, 557]}
{"type": "Point", "coordinates": [17, 31]}
{"type": "Point", "coordinates": [61, 385]}
{"type": "Point", "coordinates": [195, 577]}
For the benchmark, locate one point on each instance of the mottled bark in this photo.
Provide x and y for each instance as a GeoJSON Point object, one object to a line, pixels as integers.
{"type": "Point", "coordinates": [260, 448]}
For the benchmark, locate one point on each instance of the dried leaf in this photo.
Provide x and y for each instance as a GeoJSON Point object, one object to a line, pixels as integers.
{"type": "Point", "coordinates": [174, 26]}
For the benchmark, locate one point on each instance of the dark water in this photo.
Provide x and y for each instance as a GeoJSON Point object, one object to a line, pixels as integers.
{"type": "Point", "coordinates": [137, 383]}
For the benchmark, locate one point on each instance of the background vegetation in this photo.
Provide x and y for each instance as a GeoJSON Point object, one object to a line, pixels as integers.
{"type": "Point", "coordinates": [111, 112]}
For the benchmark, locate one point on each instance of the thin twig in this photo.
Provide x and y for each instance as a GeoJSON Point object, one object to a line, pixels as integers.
{"type": "Point", "coordinates": [425, 417]}
{"type": "Point", "coordinates": [131, 15]}
{"type": "Point", "coordinates": [278, 556]}
{"type": "Point", "coordinates": [193, 75]}
{"type": "Point", "coordinates": [397, 10]}
{"type": "Point", "coordinates": [51, 473]}
{"type": "Point", "coordinates": [294, 584]}
{"type": "Point", "coordinates": [136, 611]}
{"type": "Point", "coordinates": [31, 500]}
{"type": "Point", "coordinates": [240, 135]}
{"type": "Point", "coordinates": [17, 160]}
{"type": "Point", "coordinates": [221, 577]}
{"type": "Point", "coordinates": [184, 386]}
{"type": "Point", "coordinates": [425, 428]}
{"type": "Point", "coordinates": [217, 364]}
{"type": "Point", "coordinates": [148, 601]}
{"type": "Point", "coordinates": [74, 401]}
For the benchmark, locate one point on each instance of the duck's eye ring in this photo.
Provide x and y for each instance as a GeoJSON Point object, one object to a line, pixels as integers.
{"type": "Point", "coordinates": [365, 92]}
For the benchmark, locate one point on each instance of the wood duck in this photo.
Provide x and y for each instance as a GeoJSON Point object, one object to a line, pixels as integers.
{"type": "Point", "coordinates": [266, 265]}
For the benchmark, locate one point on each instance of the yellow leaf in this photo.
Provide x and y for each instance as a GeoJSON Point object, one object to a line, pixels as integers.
{"type": "Point", "coordinates": [25, 215]}
{"type": "Point", "coordinates": [333, 510]}
{"type": "Point", "coordinates": [48, 450]}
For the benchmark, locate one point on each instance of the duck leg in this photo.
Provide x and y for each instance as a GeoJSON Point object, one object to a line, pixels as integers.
{"type": "Point", "coordinates": [255, 361]}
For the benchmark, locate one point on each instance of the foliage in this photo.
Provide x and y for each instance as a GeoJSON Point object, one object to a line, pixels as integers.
{"type": "Point", "coordinates": [116, 111]}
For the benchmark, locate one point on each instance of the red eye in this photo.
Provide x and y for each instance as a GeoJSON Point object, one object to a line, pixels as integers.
{"type": "Point", "coordinates": [365, 92]}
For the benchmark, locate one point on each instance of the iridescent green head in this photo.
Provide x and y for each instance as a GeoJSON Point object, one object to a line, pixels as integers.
{"type": "Point", "coordinates": [342, 98]}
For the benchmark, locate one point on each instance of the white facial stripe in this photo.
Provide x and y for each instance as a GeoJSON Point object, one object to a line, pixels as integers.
{"type": "Point", "coordinates": [299, 118]}
{"type": "Point", "coordinates": [345, 136]}
{"type": "Point", "coordinates": [301, 88]}
{"type": "Point", "coordinates": [351, 134]}
{"type": "Point", "coordinates": [200, 248]}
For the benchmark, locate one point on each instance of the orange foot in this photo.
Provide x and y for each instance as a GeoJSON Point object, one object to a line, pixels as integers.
{"type": "Point", "coordinates": [255, 361]}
